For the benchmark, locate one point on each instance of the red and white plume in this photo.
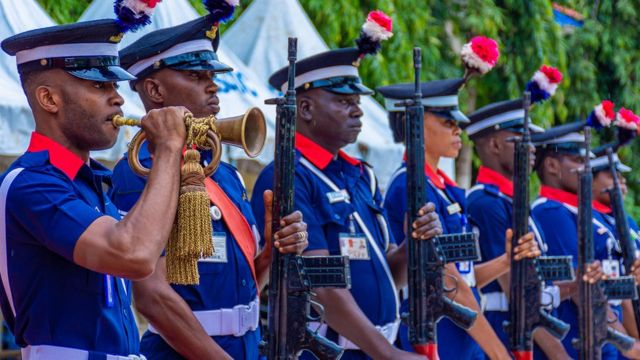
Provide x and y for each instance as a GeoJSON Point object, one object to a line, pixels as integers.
{"type": "Point", "coordinates": [374, 31]}
{"type": "Point", "coordinates": [141, 6]}
{"type": "Point", "coordinates": [605, 112]}
{"type": "Point", "coordinates": [544, 83]}
{"type": "Point", "coordinates": [626, 119]}
{"type": "Point", "coordinates": [378, 26]}
{"type": "Point", "coordinates": [480, 54]}
{"type": "Point", "coordinates": [132, 15]}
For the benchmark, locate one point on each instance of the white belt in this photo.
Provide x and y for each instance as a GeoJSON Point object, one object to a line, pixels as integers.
{"type": "Point", "coordinates": [236, 321]}
{"type": "Point", "coordinates": [468, 274]}
{"type": "Point", "coordinates": [550, 297]}
{"type": "Point", "coordinates": [389, 331]}
{"type": "Point", "coordinates": [497, 301]}
{"type": "Point", "coordinates": [48, 352]}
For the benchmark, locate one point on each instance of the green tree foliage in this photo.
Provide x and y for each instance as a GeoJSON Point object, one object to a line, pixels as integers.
{"type": "Point", "coordinates": [600, 60]}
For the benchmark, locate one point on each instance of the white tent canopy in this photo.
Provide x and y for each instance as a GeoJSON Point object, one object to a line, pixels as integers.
{"type": "Point", "coordinates": [259, 38]}
{"type": "Point", "coordinates": [16, 120]}
{"type": "Point", "coordinates": [239, 89]}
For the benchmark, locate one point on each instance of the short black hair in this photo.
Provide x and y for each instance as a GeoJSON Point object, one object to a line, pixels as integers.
{"type": "Point", "coordinates": [397, 123]}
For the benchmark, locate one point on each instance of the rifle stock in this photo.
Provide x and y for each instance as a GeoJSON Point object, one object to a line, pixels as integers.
{"type": "Point", "coordinates": [460, 315]}
{"type": "Point", "coordinates": [292, 276]}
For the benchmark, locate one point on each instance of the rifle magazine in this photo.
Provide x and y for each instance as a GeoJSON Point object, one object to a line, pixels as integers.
{"type": "Point", "coordinates": [620, 288]}
{"type": "Point", "coordinates": [458, 247]}
{"type": "Point", "coordinates": [556, 268]}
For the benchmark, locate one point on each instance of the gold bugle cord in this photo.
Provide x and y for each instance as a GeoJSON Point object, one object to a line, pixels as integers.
{"type": "Point", "coordinates": [119, 120]}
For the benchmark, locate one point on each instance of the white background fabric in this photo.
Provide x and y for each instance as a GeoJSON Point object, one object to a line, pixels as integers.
{"type": "Point", "coordinates": [255, 46]}
{"type": "Point", "coordinates": [259, 39]}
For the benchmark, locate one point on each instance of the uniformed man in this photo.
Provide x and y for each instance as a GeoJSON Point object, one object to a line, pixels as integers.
{"type": "Point", "coordinates": [490, 208]}
{"type": "Point", "coordinates": [65, 251]}
{"type": "Point", "coordinates": [603, 181]}
{"type": "Point", "coordinates": [559, 156]}
{"type": "Point", "coordinates": [219, 318]}
{"type": "Point", "coordinates": [342, 205]}
{"type": "Point", "coordinates": [442, 139]}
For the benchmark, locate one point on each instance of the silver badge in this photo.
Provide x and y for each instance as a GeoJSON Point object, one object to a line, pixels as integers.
{"type": "Point", "coordinates": [216, 214]}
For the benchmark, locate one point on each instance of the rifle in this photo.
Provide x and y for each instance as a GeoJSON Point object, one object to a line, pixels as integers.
{"type": "Point", "coordinates": [292, 276]}
{"type": "Point", "coordinates": [627, 243]}
{"type": "Point", "coordinates": [526, 311]}
{"type": "Point", "coordinates": [592, 311]}
{"type": "Point", "coordinates": [427, 301]}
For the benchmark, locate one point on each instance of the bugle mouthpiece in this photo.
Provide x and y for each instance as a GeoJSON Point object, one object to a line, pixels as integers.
{"type": "Point", "coordinates": [119, 120]}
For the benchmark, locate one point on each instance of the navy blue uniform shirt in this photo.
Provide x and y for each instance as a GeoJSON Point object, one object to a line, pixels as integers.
{"type": "Point", "coordinates": [48, 198]}
{"type": "Point", "coordinates": [223, 285]}
{"type": "Point", "coordinates": [328, 214]}
{"type": "Point", "coordinates": [555, 212]}
{"type": "Point", "coordinates": [453, 342]}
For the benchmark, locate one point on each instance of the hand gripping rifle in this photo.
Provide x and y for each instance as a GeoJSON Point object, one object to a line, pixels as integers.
{"type": "Point", "coordinates": [292, 276]}
{"type": "Point", "coordinates": [526, 311]}
{"type": "Point", "coordinates": [627, 243]}
{"type": "Point", "coordinates": [593, 306]}
{"type": "Point", "coordinates": [427, 299]}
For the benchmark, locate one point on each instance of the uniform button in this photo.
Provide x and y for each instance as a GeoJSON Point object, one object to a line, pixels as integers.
{"type": "Point", "coordinates": [336, 216]}
{"type": "Point", "coordinates": [244, 282]}
{"type": "Point", "coordinates": [125, 313]}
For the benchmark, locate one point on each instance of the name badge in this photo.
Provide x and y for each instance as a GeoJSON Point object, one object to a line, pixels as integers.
{"type": "Point", "coordinates": [219, 248]}
{"type": "Point", "coordinates": [454, 208]}
{"type": "Point", "coordinates": [611, 268]}
{"type": "Point", "coordinates": [354, 246]}
{"type": "Point", "coordinates": [337, 196]}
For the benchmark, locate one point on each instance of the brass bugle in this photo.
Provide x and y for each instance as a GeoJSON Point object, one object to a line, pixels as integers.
{"type": "Point", "coordinates": [247, 131]}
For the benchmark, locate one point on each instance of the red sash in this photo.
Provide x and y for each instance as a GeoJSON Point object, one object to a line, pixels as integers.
{"type": "Point", "coordinates": [236, 223]}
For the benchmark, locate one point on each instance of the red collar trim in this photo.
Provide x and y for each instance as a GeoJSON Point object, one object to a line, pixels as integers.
{"type": "Point", "coordinates": [569, 198]}
{"type": "Point", "coordinates": [602, 208]}
{"type": "Point", "coordinates": [318, 155]}
{"type": "Point", "coordinates": [438, 178]}
{"type": "Point", "coordinates": [492, 177]}
{"type": "Point", "coordinates": [59, 156]}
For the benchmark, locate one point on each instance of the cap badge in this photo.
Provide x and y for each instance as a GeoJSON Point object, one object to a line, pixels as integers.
{"type": "Point", "coordinates": [211, 34]}
{"type": "Point", "coordinates": [116, 38]}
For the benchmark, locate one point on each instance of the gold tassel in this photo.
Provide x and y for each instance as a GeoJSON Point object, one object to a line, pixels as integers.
{"type": "Point", "coordinates": [191, 234]}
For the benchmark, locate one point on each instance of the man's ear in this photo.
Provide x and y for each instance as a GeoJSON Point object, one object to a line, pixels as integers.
{"type": "Point", "coordinates": [305, 108]}
{"type": "Point", "coordinates": [48, 98]}
{"type": "Point", "coordinates": [152, 90]}
{"type": "Point", "coordinates": [552, 166]}
{"type": "Point", "coordinates": [495, 145]}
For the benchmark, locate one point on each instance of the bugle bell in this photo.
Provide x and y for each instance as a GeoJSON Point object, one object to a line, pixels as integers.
{"type": "Point", "coordinates": [247, 131]}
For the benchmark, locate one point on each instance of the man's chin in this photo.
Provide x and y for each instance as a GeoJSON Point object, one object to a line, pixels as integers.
{"type": "Point", "coordinates": [103, 144]}
{"type": "Point", "coordinates": [352, 138]}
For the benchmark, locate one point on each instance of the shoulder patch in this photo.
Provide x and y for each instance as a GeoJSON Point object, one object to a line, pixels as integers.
{"type": "Point", "coordinates": [492, 190]}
